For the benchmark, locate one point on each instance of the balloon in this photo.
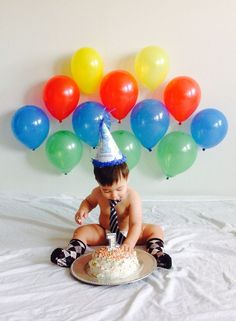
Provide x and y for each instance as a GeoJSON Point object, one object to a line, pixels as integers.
{"type": "Point", "coordinates": [181, 97]}
{"type": "Point", "coordinates": [87, 69]}
{"type": "Point", "coordinates": [86, 121]}
{"type": "Point", "coordinates": [176, 152]}
{"type": "Point", "coordinates": [149, 121]}
{"type": "Point", "coordinates": [129, 146]}
{"type": "Point", "coordinates": [152, 66]}
{"type": "Point", "coordinates": [30, 126]}
{"type": "Point", "coordinates": [119, 92]}
{"type": "Point", "coordinates": [64, 150]}
{"type": "Point", "coordinates": [61, 96]}
{"type": "Point", "coordinates": [209, 127]}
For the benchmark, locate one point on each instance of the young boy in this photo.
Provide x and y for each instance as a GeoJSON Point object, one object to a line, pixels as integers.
{"type": "Point", "coordinates": [120, 211]}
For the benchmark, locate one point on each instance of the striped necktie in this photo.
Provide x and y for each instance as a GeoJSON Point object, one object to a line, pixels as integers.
{"type": "Point", "coordinates": [114, 227]}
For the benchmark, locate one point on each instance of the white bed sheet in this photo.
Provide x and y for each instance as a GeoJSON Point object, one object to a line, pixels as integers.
{"type": "Point", "coordinates": [201, 286]}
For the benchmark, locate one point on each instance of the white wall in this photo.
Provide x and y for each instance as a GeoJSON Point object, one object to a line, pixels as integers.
{"type": "Point", "coordinates": [37, 39]}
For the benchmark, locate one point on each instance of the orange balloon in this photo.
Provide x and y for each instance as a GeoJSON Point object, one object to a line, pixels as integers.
{"type": "Point", "coordinates": [119, 93]}
{"type": "Point", "coordinates": [181, 97]}
{"type": "Point", "coordinates": [61, 96]}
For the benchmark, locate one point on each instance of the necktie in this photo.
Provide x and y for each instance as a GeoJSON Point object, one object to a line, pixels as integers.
{"type": "Point", "coordinates": [114, 227]}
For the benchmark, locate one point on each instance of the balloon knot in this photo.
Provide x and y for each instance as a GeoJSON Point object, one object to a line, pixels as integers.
{"type": "Point", "coordinates": [149, 149]}
{"type": "Point", "coordinates": [167, 177]}
{"type": "Point", "coordinates": [180, 123]}
{"type": "Point", "coordinates": [119, 121]}
{"type": "Point", "coordinates": [60, 121]}
{"type": "Point", "coordinates": [65, 173]}
{"type": "Point", "coordinates": [204, 149]}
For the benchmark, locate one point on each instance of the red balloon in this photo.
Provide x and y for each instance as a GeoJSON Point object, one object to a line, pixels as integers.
{"type": "Point", "coordinates": [182, 96]}
{"type": "Point", "coordinates": [61, 96]}
{"type": "Point", "coordinates": [119, 93]}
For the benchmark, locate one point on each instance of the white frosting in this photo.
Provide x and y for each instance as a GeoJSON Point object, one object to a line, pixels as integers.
{"type": "Point", "coordinates": [113, 264]}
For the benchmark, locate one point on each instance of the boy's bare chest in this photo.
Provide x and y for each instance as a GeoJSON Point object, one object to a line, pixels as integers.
{"type": "Point", "coordinates": [122, 210]}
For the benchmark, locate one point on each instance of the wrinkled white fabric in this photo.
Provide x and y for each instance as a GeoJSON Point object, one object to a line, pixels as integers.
{"type": "Point", "coordinates": [201, 286]}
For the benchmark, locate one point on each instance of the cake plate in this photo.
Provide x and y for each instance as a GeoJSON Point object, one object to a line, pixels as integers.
{"type": "Point", "coordinates": [80, 270]}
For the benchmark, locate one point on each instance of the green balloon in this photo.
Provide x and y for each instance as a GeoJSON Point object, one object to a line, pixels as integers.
{"type": "Point", "coordinates": [64, 150]}
{"type": "Point", "coordinates": [129, 146]}
{"type": "Point", "coordinates": [176, 152]}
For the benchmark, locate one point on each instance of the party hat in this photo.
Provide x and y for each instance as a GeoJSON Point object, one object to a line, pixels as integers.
{"type": "Point", "coordinates": [107, 152]}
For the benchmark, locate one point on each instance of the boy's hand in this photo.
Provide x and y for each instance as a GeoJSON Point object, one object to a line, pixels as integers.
{"type": "Point", "coordinates": [127, 247]}
{"type": "Point", "coordinates": [80, 216]}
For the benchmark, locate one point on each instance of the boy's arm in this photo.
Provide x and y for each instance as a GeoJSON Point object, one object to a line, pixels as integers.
{"type": "Point", "coordinates": [135, 222]}
{"type": "Point", "coordinates": [86, 206]}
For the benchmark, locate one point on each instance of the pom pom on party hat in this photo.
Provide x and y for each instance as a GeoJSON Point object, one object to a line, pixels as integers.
{"type": "Point", "coordinates": [107, 152]}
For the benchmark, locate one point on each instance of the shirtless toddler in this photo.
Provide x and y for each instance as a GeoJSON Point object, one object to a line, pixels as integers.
{"type": "Point", "coordinates": [112, 195]}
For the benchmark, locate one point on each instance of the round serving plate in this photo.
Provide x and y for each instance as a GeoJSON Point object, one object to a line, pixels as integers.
{"type": "Point", "coordinates": [79, 269]}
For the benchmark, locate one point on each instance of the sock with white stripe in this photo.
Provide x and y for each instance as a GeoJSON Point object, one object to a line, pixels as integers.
{"type": "Point", "coordinates": [65, 257]}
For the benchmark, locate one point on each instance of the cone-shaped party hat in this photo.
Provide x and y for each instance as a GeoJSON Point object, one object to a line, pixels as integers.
{"type": "Point", "coordinates": [107, 152]}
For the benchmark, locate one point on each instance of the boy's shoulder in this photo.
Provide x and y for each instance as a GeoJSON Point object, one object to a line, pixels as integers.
{"type": "Point", "coordinates": [96, 191]}
{"type": "Point", "coordinates": [134, 199]}
{"type": "Point", "coordinates": [133, 194]}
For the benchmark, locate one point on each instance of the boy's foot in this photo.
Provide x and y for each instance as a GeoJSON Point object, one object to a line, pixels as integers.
{"type": "Point", "coordinates": [65, 257]}
{"type": "Point", "coordinates": [62, 257]}
{"type": "Point", "coordinates": [155, 246]}
{"type": "Point", "coordinates": [164, 261]}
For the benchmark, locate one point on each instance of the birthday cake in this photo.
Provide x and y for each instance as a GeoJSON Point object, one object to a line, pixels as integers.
{"type": "Point", "coordinates": [111, 264]}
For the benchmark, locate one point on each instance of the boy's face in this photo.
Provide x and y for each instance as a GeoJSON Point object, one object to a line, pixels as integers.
{"type": "Point", "coordinates": [116, 191]}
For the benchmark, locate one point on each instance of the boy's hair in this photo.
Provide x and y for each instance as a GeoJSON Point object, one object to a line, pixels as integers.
{"type": "Point", "coordinates": [111, 174]}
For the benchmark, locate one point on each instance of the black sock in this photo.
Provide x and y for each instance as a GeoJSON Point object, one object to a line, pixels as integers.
{"type": "Point", "coordinates": [65, 257]}
{"type": "Point", "coordinates": [155, 246]}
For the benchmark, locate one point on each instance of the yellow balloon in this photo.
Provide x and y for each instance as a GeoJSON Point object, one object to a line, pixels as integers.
{"type": "Point", "coordinates": [151, 66]}
{"type": "Point", "coordinates": [87, 69]}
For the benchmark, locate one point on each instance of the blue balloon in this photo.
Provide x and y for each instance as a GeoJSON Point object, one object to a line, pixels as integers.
{"type": "Point", "coordinates": [209, 127]}
{"type": "Point", "coordinates": [149, 121]}
{"type": "Point", "coordinates": [30, 125]}
{"type": "Point", "coordinates": [86, 120]}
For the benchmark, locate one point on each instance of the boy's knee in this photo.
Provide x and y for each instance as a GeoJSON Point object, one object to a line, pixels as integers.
{"type": "Point", "coordinates": [91, 234]}
{"type": "Point", "coordinates": [153, 228]}
{"type": "Point", "coordinates": [157, 228]}
{"type": "Point", "coordinates": [80, 232]}
{"type": "Point", "coordinates": [155, 231]}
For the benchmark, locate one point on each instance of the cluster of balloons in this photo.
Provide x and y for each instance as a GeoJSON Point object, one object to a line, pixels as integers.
{"type": "Point", "coordinates": [149, 118]}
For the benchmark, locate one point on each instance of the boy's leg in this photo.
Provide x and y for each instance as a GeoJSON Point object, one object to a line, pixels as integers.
{"type": "Point", "coordinates": [91, 234]}
{"type": "Point", "coordinates": [152, 235]}
{"type": "Point", "coordinates": [65, 257]}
